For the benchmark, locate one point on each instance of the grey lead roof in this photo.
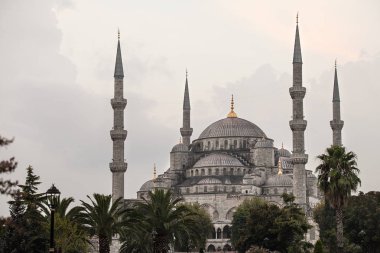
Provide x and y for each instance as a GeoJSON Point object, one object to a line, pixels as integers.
{"type": "Point", "coordinates": [336, 97]}
{"type": "Point", "coordinates": [297, 56]}
{"type": "Point", "coordinates": [232, 127]}
{"type": "Point", "coordinates": [215, 160]}
{"type": "Point", "coordinates": [119, 63]}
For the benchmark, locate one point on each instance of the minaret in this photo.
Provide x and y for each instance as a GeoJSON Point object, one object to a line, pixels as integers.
{"type": "Point", "coordinates": [298, 126]}
{"type": "Point", "coordinates": [186, 130]}
{"type": "Point", "coordinates": [336, 124]}
{"type": "Point", "coordinates": [118, 135]}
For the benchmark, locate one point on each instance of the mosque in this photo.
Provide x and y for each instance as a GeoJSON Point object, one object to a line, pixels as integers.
{"type": "Point", "coordinates": [231, 160]}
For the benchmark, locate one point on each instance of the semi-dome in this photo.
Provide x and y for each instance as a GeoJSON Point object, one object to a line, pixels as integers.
{"type": "Point", "coordinates": [279, 180]}
{"type": "Point", "coordinates": [147, 186]}
{"type": "Point", "coordinates": [218, 160]}
{"type": "Point", "coordinates": [209, 180]}
{"type": "Point", "coordinates": [232, 127]}
{"type": "Point", "coordinates": [180, 147]}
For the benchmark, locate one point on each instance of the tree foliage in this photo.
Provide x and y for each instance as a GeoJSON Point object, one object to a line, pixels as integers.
{"type": "Point", "coordinates": [160, 221]}
{"type": "Point", "coordinates": [102, 218]}
{"type": "Point", "coordinates": [258, 223]}
{"type": "Point", "coordinates": [337, 179]}
{"type": "Point", "coordinates": [7, 166]}
{"type": "Point", "coordinates": [361, 223]}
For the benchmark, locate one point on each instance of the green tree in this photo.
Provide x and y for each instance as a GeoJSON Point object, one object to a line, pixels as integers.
{"type": "Point", "coordinates": [160, 221]}
{"type": "Point", "coordinates": [318, 247]}
{"type": "Point", "coordinates": [337, 179]}
{"type": "Point", "coordinates": [70, 235]}
{"type": "Point", "coordinates": [258, 223]}
{"type": "Point", "coordinates": [7, 166]}
{"type": "Point", "coordinates": [26, 228]}
{"type": "Point", "coordinates": [102, 218]}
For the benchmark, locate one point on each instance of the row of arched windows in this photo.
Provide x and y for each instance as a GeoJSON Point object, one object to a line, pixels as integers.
{"type": "Point", "coordinates": [210, 188]}
{"type": "Point", "coordinates": [221, 234]}
{"type": "Point", "coordinates": [223, 144]}
{"type": "Point", "coordinates": [217, 172]}
{"type": "Point", "coordinates": [275, 191]}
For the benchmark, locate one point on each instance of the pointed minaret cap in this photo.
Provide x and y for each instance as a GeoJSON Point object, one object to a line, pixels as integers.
{"type": "Point", "coordinates": [297, 55]}
{"type": "Point", "coordinates": [336, 97]}
{"type": "Point", "coordinates": [186, 97]}
{"type": "Point", "coordinates": [119, 73]}
{"type": "Point", "coordinates": [232, 114]}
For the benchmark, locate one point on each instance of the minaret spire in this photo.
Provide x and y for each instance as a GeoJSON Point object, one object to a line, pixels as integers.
{"type": "Point", "coordinates": [232, 114]}
{"type": "Point", "coordinates": [186, 130]}
{"type": "Point", "coordinates": [118, 135]}
{"type": "Point", "coordinates": [298, 125]}
{"type": "Point", "coordinates": [336, 123]}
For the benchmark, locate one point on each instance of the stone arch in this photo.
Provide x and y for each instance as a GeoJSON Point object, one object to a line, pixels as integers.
{"type": "Point", "coordinates": [230, 213]}
{"type": "Point", "coordinates": [212, 234]}
{"type": "Point", "coordinates": [211, 248]}
{"type": "Point", "coordinates": [226, 231]}
{"type": "Point", "coordinates": [211, 210]}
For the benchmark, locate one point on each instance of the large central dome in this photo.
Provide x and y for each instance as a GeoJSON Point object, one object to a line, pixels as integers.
{"type": "Point", "coordinates": [232, 127]}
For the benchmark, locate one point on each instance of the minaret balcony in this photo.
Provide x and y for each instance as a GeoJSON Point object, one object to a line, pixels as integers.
{"type": "Point", "coordinates": [336, 124]}
{"type": "Point", "coordinates": [297, 92]}
{"type": "Point", "coordinates": [186, 131]}
{"type": "Point", "coordinates": [118, 103]}
{"type": "Point", "coordinates": [118, 167]}
{"type": "Point", "coordinates": [299, 158]}
{"type": "Point", "coordinates": [298, 124]}
{"type": "Point", "coordinates": [118, 134]}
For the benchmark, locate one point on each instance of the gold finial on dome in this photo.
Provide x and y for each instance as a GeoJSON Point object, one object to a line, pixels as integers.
{"type": "Point", "coordinates": [118, 33]}
{"type": "Point", "coordinates": [154, 172]}
{"type": "Point", "coordinates": [232, 114]}
{"type": "Point", "coordinates": [279, 167]}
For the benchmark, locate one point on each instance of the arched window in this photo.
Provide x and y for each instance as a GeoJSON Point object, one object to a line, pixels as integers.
{"type": "Point", "coordinates": [196, 173]}
{"type": "Point", "coordinates": [218, 233]}
{"type": "Point", "coordinates": [215, 188]}
{"type": "Point", "coordinates": [233, 189]}
{"type": "Point", "coordinates": [217, 171]}
{"type": "Point", "coordinates": [212, 234]}
{"type": "Point", "coordinates": [231, 171]}
{"type": "Point", "coordinates": [211, 248]}
{"type": "Point", "coordinates": [202, 172]}
{"type": "Point", "coordinates": [205, 188]}
{"type": "Point", "coordinates": [210, 171]}
{"type": "Point", "coordinates": [225, 189]}
{"type": "Point", "coordinates": [224, 171]}
{"type": "Point", "coordinates": [285, 190]}
{"type": "Point", "coordinates": [192, 173]}
{"type": "Point", "coordinates": [238, 172]}
{"type": "Point", "coordinates": [217, 144]}
{"type": "Point", "coordinates": [245, 144]}
{"type": "Point", "coordinates": [226, 144]}
{"type": "Point", "coordinates": [244, 170]}
{"type": "Point", "coordinates": [208, 145]}
{"type": "Point", "coordinates": [196, 189]}
{"type": "Point", "coordinates": [235, 143]}
{"type": "Point", "coordinates": [275, 191]}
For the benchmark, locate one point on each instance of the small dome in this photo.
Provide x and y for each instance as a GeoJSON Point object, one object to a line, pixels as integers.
{"type": "Point", "coordinates": [279, 180]}
{"type": "Point", "coordinates": [147, 186]}
{"type": "Point", "coordinates": [232, 127]}
{"type": "Point", "coordinates": [216, 160]}
{"type": "Point", "coordinates": [209, 180]}
{"type": "Point", "coordinates": [180, 147]}
{"type": "Point", "coordinates": [284, 152]}
{"type": "Point", "coordinates": [264, 143]}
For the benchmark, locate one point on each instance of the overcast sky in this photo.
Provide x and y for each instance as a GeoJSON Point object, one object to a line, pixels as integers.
{"type": "Point", "coordinates": [56, 80]}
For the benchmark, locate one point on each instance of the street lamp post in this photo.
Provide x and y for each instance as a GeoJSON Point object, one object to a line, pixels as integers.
{"type": "Point", "coordinates": [154, 235]}
{"type": "Point", "coordinates": [52, 194]}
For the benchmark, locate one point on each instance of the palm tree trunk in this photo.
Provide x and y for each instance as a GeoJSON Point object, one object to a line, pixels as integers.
{"type": "Point", "coordinates": [339, 229]}
{"type": "Point", "coordinates": [104, 246]}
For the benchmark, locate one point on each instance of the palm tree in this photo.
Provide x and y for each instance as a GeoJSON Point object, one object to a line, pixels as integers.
{"type": "Point", "coordinates": [337, 178]}
{"type": "Point", "coordinates": [160, 221]}
{"type": "Point", "coordinates": [102, 218]}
